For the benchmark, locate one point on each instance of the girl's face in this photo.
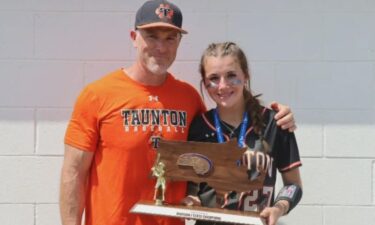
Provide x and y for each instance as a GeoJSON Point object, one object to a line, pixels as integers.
{"type": "Point", "coordinates": [225, 81]}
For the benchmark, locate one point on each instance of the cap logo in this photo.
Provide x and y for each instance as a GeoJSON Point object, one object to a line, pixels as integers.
{"type": "Point", "coordinates": [164, 11]}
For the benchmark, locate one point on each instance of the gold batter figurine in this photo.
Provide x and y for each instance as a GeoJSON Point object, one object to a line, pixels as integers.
{"type": "Point", "coordinates": [158, 172]}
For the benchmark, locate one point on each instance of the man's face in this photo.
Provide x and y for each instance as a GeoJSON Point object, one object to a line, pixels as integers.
{"type": "Point", "coordinates": [156, 48]}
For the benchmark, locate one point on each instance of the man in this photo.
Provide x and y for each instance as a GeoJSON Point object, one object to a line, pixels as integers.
{"type": "Point", "coordinates": [110, 140]}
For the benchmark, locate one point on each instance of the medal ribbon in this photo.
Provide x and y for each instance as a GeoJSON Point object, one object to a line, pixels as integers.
{"type": "Point", "coordinates": [219, 132]}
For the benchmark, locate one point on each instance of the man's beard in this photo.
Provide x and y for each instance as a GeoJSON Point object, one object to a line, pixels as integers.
{"type": "Point", "coordinates": [157, 68]}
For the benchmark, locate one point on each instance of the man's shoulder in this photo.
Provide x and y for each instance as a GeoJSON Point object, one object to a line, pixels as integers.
{"type": "Point", "coordinates": [180, 83]}
{"type": "Point", "coordinates": [107, 81]}
{"type": "Point", "coordinates": [107, 78]}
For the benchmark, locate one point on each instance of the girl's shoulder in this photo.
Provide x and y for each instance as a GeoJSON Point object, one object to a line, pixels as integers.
{"type": "Point", "coordinates": [201, 126]}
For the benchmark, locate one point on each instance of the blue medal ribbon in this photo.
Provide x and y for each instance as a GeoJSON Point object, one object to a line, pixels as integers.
{"type": "Point", "coordinates": [241, 137]}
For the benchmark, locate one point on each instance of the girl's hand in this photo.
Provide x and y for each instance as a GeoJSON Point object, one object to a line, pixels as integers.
{"type": "Point", "coordinates": [191, 200]}
{"type": "Point", "coordinates": [272, 214]}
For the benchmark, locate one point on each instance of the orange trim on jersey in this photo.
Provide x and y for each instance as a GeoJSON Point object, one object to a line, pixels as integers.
{"type": "Point", "coordinates": [264, 110]}
{"type": "Point", "coordinates": [249, 130]}
{"type": "Point", "coordinates": [208, 123]}
{"type": "Point", "coordinates": [291, 166]}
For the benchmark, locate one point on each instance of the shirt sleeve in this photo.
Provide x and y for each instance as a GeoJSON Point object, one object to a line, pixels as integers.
{"type": "Point", "coordinates": [288, 153]}
{"type": "Point", "coordinates": [82, 131]}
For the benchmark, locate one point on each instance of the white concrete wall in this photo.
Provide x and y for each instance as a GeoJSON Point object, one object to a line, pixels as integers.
{"type": "Point", "coordinates": [317, 56]}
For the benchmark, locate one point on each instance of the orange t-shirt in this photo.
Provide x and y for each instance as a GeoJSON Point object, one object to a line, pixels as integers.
{"type": "Point", "coordinates": [115, 117]}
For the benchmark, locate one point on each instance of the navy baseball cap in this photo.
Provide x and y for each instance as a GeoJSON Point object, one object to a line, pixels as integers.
{"type": "Point", "coordinates": [159, 13]}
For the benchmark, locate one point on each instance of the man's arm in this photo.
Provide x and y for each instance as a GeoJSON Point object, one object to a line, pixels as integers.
{"type": "Point", "coordinates": [73, 182]}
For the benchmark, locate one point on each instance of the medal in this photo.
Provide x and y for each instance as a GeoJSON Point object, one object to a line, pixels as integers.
{"type": "Point", "coordinates": [219, 132]}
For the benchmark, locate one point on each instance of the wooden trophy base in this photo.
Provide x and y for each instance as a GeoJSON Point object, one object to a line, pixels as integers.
{"type": "Point", "coordinates": [198, 213]}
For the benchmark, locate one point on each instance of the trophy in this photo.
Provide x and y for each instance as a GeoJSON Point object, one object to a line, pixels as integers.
{"type": "Point", "coordinates": [158, 171]}
{"type": "Point", "coordinates": [217, 164]}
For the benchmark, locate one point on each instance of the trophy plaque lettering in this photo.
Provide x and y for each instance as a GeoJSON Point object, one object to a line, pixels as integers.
{"type": "Point", "coordinates": [213, 163]}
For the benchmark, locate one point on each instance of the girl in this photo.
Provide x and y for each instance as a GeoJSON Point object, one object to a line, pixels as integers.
{"type": "Point", "coordinates": [239, 114]}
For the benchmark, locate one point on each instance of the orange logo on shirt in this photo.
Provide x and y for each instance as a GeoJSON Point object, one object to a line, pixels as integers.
{"type": "Point", "coordinates": [164, 11]}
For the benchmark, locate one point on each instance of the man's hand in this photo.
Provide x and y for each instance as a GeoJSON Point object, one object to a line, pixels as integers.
{"type": "Point", "coordinates": [284, 117]}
